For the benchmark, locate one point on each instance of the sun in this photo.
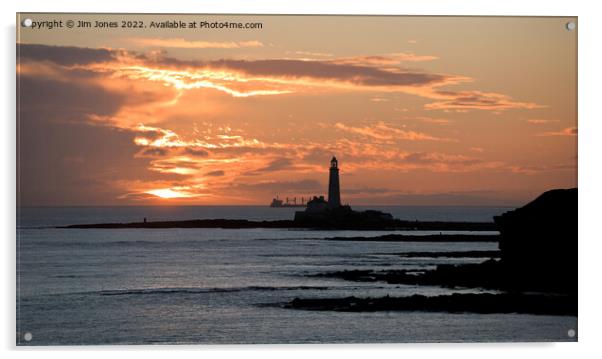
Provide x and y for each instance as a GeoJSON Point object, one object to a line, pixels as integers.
{"type": "Point", "coordinates": [168, 193]}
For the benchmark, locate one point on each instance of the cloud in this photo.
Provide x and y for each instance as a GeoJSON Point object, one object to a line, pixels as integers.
{"type": "Point", "coordinates": [382, 131]}
{"type": "Point", "coordinates": [281, 76]}
{"type": "Point", "coordinates": [218, 173]}
{"type": "Point", "coordinates": [265, 77]}
{"type": "Point", "coordinates": [48, 174]}
{"type": "Point", "coordinates": [193, 44]}
{"type": "Point", "coordinates": [277, 164]}
{"type": "Point", "coordinates": [310, 53]}
{"type": "Point", "coordinates": [569, 131]}
{"type": "Point", "coordinates": [142, 108]}
{"type": "Point", "coordinates": [534, 169]}
{"type": "Point", "coordinates": [538, 121]}
{"type": "Point", "coordinates": [281, 186]}
{"type": "Point", "coordinates": [436, 121]}
{"type": "Point", "coordinates": [64, 55]}
{"type": "Point", "coordinates": [438, 158]}
{"type": "Point", "coordinates": [362, 75]}
{"type": "Point", "coordinates": [388, 59]}
{"type": "Point", "coordinates": [65, 100]}
{"type": "Point", "coordinates": [280, 164]}
{"type": "Point", "coordinates": [471, 100]}
{"type": "Point", "coordinates": [196, 152]}
{"type": "Point", "coordinates": [155, 152]}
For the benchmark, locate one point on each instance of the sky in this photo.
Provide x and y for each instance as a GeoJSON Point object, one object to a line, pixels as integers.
{"type": "Point", "coordinates": [418, 110]}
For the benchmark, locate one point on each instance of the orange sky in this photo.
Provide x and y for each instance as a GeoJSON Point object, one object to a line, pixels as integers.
{"type": "Point", "coordinates": [418, 110]}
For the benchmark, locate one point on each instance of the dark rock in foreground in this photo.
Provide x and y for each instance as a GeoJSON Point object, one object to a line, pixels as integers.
{"type": "Point", "coordinates": [539, 241]}
{"type": "Point", "coordinates": [454, 303]}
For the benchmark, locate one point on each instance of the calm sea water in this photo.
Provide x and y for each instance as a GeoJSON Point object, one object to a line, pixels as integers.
{"type": "Point", "coordinates": [141, 286]}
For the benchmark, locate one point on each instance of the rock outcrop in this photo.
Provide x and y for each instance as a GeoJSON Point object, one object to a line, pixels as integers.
{"type": "Point", "coordinates": [538, 241]}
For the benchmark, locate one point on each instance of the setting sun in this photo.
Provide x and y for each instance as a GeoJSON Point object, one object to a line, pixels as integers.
{"type": "Point", "coordinates": [169, 193]}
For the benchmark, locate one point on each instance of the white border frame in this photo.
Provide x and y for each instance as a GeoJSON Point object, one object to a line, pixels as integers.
{"type": "Point", "coordinates": [590, 23]}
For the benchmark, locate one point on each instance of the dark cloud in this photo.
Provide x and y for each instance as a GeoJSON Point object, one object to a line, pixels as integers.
{"type": "Point", "coordinates": [357, 74]}
{"type": "Point", "coordinates": [462, 100]}
{"type": "Point", "coordinates": [277, 165]}
{"type": "Point", "coordinates": [73, 163]}
{"type": "Point", "coordinates": [155, 152]}
{"type": "Point", "coordinates": [63, 158]}
{"type": "Point", "coordinates": [64, 55]}
{"type": "Point", "coordinates": [173, 163]}
{"type": "Point", "coordinates": [282, 186]}
{"type": "Point", "coordinates": [325, 70]}
{"type": "Point", "coordinates": [215, 173]}
{"type": "Point", "coordinates": [196, 152]}
{"type": "Point", "coordinates": [65, 100]}
{"type": "Point", "coordinates": [365, 72]}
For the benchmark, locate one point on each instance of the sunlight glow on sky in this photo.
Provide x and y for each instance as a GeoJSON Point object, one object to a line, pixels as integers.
{"type": "Point", "coordinates": [418, 110]}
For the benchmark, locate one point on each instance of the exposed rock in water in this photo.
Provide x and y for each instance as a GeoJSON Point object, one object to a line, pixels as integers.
{"type": "Point", "coordinates": [488, 274]}
{"type": "Point", "coordinates": [422, 238]}
{"type": "Point", "coordinates": [454, 303]}
{"type": "Point", "coordinates": [452, 254]}
{"type": "Point", "coordinates": [491, 274]}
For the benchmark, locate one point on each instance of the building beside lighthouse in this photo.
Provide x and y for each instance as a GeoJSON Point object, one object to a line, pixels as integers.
{"type": "Point", "coordinates": [331, 212]}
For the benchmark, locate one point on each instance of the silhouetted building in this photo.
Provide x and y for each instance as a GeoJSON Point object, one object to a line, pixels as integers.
{"type": "Point", "coordinates": [334, 190]}
{"type": "Point", "coordinates": [317, 205]}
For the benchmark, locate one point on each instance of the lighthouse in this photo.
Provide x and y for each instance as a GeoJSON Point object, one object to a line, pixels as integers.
{"type": "Point", "coordinates": [321, 213]}
{"type": "Point", "coordinates": [334, 190]}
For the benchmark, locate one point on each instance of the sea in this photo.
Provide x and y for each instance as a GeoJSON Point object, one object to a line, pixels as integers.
{"type": "Point", "coordinates": [228, 286]}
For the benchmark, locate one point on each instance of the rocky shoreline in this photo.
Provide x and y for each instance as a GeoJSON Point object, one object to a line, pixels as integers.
{"type": "Point", "coordinates": [485, 303]}
{"type": "Point", "coordinates": [246, 224]}
{"type": "Point", "coordinates": [536, 270]}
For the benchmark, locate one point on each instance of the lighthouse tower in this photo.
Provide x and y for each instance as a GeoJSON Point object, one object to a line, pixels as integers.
{"type": "Point", "coordinates": [334, 190]}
